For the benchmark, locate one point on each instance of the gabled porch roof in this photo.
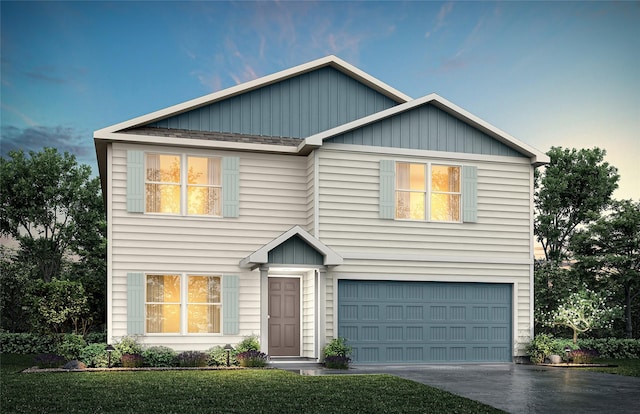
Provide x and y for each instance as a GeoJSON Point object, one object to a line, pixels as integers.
{"type": "Point", "coordinates": [261, 256]}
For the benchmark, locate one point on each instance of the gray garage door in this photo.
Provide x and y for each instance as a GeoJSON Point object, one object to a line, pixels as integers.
{"type": "Point", "coordinates": [406, 322]}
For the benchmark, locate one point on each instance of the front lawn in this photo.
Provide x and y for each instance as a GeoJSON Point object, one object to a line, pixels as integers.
{"type": "Point", "coordinates": [628, 367]}
{"type": "Point", "coordinates": [260, 390]}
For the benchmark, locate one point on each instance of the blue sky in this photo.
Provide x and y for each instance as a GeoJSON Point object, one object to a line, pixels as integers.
{"type": "Point", "coordinates": [548, 73]}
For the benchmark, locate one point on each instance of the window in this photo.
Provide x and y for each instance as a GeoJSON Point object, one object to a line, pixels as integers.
{"type": "Point", "coordinates": [168, 190]}
{"type": "Point", "coordinates": [425, 190]}
{"type": "Point", "coordinates": [166, 303]}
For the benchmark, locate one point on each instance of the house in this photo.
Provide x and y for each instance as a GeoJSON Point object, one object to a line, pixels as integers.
{"type": "Point", "coordinates": [320, 202]}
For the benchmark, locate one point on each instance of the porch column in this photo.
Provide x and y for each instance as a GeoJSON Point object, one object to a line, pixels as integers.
{"type": "Point", "coordinates": [264, 309]}
{"type": "Point", "coordinates": [322, 309]}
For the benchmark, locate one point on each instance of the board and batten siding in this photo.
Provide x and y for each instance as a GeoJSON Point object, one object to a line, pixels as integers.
{"type": "Point", "coordinates": [496, 248]}
{"type": "Point", "coordinates": [273, 198]}
{"type": "Point", "coordinates": [296, 107]}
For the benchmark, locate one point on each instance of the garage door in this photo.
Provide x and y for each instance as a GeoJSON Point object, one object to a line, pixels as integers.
{"type": "Point", "coordinates": [407, 322]}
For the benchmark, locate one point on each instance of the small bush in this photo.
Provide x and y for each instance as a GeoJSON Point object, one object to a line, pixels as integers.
{"type": "Point", "coordinates": [96, 337]}
{"type": "Point", "coordinates": [249, 343]}
{"type": "Point", "coordinates": [582, 356]}
{"type": "Point", "coordinates": [96, 355]}
{"type": "Point", "coordinates": [159, 356]}
{"type": "Point", "coordinates": [217, 356]}
{"type": "Point", "coordinates": [252, 358]}
{"type": "Point", "coordinates": [132, 360]}
{"type": "Point", "coordinates": [337, 347]}
{"type": "Point", "coordinates": [613, 348]}
{"type": "Point", "coordinates": [128, 345]}
{"type": "Point", "coordinates": [48, 360]}
{"type": "Point", "coordinates": [71, 346]}
{"type": "Point", "coordinates": [540, 348]}
{"type": "Point", "coordinates": [192, 359]}
{"type": "Point", "coordinates": [337, 362]}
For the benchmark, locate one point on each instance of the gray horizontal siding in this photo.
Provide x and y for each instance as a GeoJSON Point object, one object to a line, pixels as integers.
{"type": "Point", "coordinates": [426, 128]}
{"type": "Point", "coordinates": [296, 107]}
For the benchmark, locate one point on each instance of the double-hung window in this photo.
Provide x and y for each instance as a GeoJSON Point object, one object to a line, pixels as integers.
{"type": "Point", "coordinates": [178, 304]}
{"type": "Point", "coordinates": [181, 184]}
{"type": "Point", "coordinates": [428, 191]}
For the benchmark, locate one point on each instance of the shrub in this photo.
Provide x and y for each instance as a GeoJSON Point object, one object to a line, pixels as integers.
{"type": "Point", "coordinates": [252, 358]}
{"type": "Point", "coordinates": [96, 355]}
{"type": "Point", "coordinates": [582, 356]}
{"type": "Point", "coordinates": [128, 345]}
{"type": "Point", "coordinates": [96, 337]}
{"type": "Point", "coordinates": [337, 347]}
{"type": "Point", "coordinates": [217, 356]}
{"type": "Point", "coordinates": [48, 360]}
{"type": "Point", "coordinates": [192, 359]}
{"type": "Point", "coordinates": [71, 346]}
{"type": "Point", "coordinates": [132, 360]}
{"type": "Point", "coordinates": [540, 348]}
{"type": "Point", "coordinates": [337, 362]}
{"type": "Point", "coordinates": [613, 348]}
{"type": "Point", "coordinates": [159, 356]}
{"type": "Point", "coordinates": [26, 343]}
{"type": "Point", "coordinates": [249, 343]}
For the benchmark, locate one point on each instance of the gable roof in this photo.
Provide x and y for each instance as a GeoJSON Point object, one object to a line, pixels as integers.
{"type": "Point", "coordinates": [537, 157]}
{"type": "Point", "coordinates": [332, 61]}
{"type": "Point", "coordinates": [261, 256]}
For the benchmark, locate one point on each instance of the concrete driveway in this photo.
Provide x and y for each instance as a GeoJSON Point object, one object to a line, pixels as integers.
{"type": "Point", "coordinates": [518, 388]}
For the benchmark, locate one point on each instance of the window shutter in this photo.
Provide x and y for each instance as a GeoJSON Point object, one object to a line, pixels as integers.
{"type": "Point", "coordinates": [230, 186]}
{"type": "Point", "coordinates": [469, 194]}
{"type": "Point", "coordinates": [230, 304]}
{"type": "Point", "coordinates": [135, 303]}
{"type": "Point", "coordinates": [135, 181]}
{"type": "Point", "coordinates": [387, 189]}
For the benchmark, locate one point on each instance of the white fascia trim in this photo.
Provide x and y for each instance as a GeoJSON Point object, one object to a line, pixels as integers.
{"type": "Point", "coordinates": [536, 157]}
{"type": "Point", "coordinates": [261, 256]}
{"type": "Point", "coordinates": [330, 60]}
{"type": "Point", "coordinates": [442, 259]}
{"type": "Point", "coordinates": [193, 143]}
{"type": "Point", "coordinates": [413, 153]}
{"type": "Point", "coordinates": [425, 278]}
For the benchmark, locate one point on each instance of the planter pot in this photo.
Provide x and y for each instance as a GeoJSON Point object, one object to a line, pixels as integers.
{"type": "Point", "coordinates": [555, 359]}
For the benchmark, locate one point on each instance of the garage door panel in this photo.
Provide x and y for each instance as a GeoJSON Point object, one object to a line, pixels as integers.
{"type": "Point", "coordinates": [388, 321]}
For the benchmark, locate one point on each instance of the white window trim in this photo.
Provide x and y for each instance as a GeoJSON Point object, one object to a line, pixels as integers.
{"type": "Point", "coordinates": [428, 191]}
{"type": "Point", "coordinates": [184, 302]}
{"type": "Point", "coordinates": [183, 184]}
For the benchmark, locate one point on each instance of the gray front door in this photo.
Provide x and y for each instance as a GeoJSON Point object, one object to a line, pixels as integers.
{"type": "Point", "coordinates": [284, 316]}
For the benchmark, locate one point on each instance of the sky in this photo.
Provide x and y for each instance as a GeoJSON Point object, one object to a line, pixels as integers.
{"type": "Point", "coordinates": [548, 73]}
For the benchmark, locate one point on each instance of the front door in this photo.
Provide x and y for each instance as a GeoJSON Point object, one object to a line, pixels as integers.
{"type": "Point", "coordinates": [284, 316]}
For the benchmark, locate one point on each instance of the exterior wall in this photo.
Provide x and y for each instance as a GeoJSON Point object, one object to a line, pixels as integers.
{"type": "Point", "coordinates": [273, 198]}
{"type": "Point", "coordinates": [296, 107]}
{"type": "Point", "coordinates": [497, 248]}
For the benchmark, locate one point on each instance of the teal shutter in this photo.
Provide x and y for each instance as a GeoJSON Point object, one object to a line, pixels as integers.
{"type": "Point", "coordinates": [135, 303]}
{"type": "Point", "coordinates": [387, 189]}
{"type": "Point", "coordinates": [230, 304]}
{"type": "Point", "coordinates": [135, 181]}
{"type": "Point", "coordinates": [469, 194]}
{"type": "Point", "coordinates": [230, 186]}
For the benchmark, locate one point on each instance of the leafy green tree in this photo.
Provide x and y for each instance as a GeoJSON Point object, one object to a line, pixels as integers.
{"type": "Point", "coordinates": [572, 190]}
{"type": "Point", "coordinates": [53, 208]}
{"type": "Point", "coordinates": [584, 310]}
{"type": "Point", "coordinates": [59, 304]}
{"type": "Point", "coordinates": [14, 282]}
{"type": "Point", "coordinates": [609, 249]}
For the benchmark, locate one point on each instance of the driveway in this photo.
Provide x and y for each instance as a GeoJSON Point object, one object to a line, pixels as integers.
{"type": "Point", "coordinates": [518, 388]}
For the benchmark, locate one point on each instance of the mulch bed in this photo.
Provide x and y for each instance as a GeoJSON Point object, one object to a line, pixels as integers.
{"type": "Point", "coordinates": [113, 369]}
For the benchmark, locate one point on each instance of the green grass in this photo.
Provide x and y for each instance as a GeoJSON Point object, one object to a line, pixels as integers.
{"type": "Point", "coordinates": [628, 367]}
{"type": "Point", "coordinates": [259, 391]}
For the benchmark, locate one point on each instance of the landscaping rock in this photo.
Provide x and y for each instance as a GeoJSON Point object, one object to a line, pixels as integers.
{"type": "Point", "coordinates": [74, 364]}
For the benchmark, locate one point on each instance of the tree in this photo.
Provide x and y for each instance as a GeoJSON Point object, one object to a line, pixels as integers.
{"type": "Point", "coordinates": [584, 310]}
{"type": "Point", "coordinates": [573, 190]}
{"type": "Point", "coordinates": [610, 249]}
{"type": "Point", "coordinates": [53, 208]}
{"type": "Point", "coordinates": [50, 205]}
{"type": "Point", "coordinates": [58, 304]}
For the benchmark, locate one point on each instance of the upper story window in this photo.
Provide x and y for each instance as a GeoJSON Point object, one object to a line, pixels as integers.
{"type": "Point", "coordinates": [428, 190]}
{"type": "Point", "coordinates": [180, 184]}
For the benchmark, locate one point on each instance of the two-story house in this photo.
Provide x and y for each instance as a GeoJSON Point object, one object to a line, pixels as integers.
{"type": "Point", "coordinates": [320, 202]}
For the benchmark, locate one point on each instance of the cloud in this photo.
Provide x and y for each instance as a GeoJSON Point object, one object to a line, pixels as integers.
{"type": "Point", "coordinates": [27, 120]}
{"type": "Point", "coordinates": [35, 138]}
{"type": "Point", "coordinates": [441, 17]}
